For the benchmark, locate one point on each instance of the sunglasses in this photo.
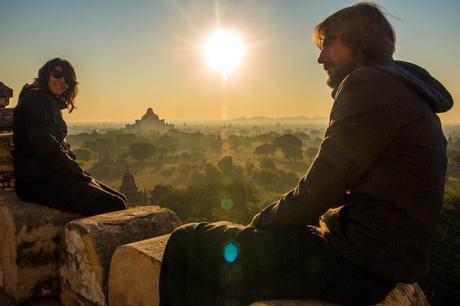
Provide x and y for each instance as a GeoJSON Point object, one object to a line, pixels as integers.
{"type": "Point", "coordinates": [57, 74]}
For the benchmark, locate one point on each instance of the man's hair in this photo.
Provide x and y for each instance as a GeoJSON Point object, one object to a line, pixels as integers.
{"type": "Point", "coordinates": [69, 95]}
{"type": "Point", "coordinates": [361, 27]}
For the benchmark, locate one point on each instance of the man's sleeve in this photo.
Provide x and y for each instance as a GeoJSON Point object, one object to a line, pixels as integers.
{"type": "Point", "coordinates": [45, 145]}
{"type": "Point", "coordinates": [364, 120]}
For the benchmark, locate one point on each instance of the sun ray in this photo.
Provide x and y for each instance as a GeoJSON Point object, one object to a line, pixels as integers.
{"type": "Point", "coordinates": [224, 51]}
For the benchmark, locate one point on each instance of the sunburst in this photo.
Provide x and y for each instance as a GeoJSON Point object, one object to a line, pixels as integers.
{"type": "Point", "coordinates": [224, 51]}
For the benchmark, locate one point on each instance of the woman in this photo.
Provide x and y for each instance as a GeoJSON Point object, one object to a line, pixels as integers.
{"type": "Point", "coordinates": [45, 167]}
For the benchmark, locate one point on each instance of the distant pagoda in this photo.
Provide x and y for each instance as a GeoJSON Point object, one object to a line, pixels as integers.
{"type": "Point", "coordinates": [129, 189]}
{"type": "Point", "coordinates": [150, 121]}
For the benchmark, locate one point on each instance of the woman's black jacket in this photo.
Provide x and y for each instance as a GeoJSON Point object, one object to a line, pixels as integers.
{"type": "Point", "coordinates": [40, 150]}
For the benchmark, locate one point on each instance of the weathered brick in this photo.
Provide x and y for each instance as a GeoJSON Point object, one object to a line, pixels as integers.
{"type": "Point", "coordinates": [30, 237]}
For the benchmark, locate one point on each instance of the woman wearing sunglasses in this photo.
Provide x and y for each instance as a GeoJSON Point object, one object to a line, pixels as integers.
{"type": "Point", "coordinates": [45, 167]}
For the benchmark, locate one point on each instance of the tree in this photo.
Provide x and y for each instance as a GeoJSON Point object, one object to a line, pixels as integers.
{"type": "Point", "coordinates": [287, 140]}
{"type": "Point", "coordinates": [168, 141]}
{"type": "Point", "coordinates": [83, 154]}
{"type": "Point", "coordinates": [238, 203]}
{"type": "Point", "coordinates": [235, 142]}
{"type": "Point", "coordinates": [162, 152]}
{"type": "Point", "coordinates": [214, 144]}
{"type": "Point", "coordinates": [294, 153]}
{"type": "Point", "coordinates": [275, 180]}
{"type": "Point", "coordinates": [229, 169]}
{"type": "Point", "coordinates": [290, 145]}
{"type": "Point", "coordinates": [265, 149]}
{"type": "Point", "coordinates": [211, 173]}
{"type": "Point", "coordinates": [185, 167]}
{"type": "Point", "coordinates": [267, 137]}
{"type": "Point", "coordinates": [226, 165]}
{"type": "Point", "coordinates": [125, 139]}
{"type": "Point", "coordinates": [99, 144]}
{"type": "Point", "coordinates": [315, 133]}
{"type": "Point", "coordinates": [249, 167]}
{"type": "Point", "coordinates": [141, 150]}
{"type": "Point", "coordinates": [303, 136]}
{"type": "Point", "coordinates": [159, 192]}
{"type": "Point", "coordinates": [311, 152]}
{"type": "Point", "coordinates": [197, 156]}
{"type": "Point", "coordinates": [267, 164]}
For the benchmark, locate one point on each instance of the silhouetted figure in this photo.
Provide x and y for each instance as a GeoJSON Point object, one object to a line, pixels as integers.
{"type": "Point", "coordinates": [45, 167]}
{"type": "Point", "coordinates": [375, 186]}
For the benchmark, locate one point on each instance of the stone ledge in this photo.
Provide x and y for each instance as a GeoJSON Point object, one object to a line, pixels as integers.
{"type": "Point", "coordinates": [293, 303]}
{"type": "Point", "coordinates": [401, 295]}
{"type": "Point", "coordinates": [90, 243]}
{"type": "Point", "coordinates": [131, 263]}
{"type": "Point", "coordinates": [30, 237]}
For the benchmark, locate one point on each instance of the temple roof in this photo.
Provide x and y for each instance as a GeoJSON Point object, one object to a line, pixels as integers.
{"type": "Point", "coordinates": [149, 121]}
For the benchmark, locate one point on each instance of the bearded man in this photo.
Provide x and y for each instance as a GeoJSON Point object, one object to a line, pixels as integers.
{"type": "Point", "coordinates": [362, 218]}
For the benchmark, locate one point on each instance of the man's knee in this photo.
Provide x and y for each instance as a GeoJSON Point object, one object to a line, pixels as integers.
{"type": "Point", "coordinates": [179, 238]}
{"type": "Point", "coordinates": [183, 232]}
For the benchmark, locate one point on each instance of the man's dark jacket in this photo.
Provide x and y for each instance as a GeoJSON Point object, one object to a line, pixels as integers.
{"type": "Point", "coordinates": [377, 182]}
{"type": "Point", "coordinates": [40, 152]}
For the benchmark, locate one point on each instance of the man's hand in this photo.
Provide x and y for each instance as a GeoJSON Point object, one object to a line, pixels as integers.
{"type": "Point", "coordinates": [255, 221]}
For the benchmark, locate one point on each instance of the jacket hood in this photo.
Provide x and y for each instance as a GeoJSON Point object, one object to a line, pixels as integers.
{"type": "Point", "coordinates": [27, 90]}
{"type": "Point", "coordinates": [34, 89]}
{"type": "Point", "coordinates": [421, 81]}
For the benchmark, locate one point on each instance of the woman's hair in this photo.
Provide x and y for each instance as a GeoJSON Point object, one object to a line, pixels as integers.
{"type": "Point", "coordinates": [69, 95]}
{"type": "Point", "coordinates": [361, 27]}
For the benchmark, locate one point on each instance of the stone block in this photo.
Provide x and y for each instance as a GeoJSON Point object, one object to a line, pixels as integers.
{"type": "Point", "coordinates": [6, 159]}
{"type": "Point", "coordinates": [401, 295]}
{"type": "Point", "coordinates": [6, 119]}
{"type": "Point", "coordinates": [89, 244]}
{"type": "Point", "coordinates": [134, 272]}
{"type": "Point", "coordinates": [30, 237]}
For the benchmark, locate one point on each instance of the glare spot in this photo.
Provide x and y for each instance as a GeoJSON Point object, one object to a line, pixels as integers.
{"type": "Point", "coordinates": [226, 203]}
{"type": "Point", "coordinates": [231, 252]}
{"type": "Point", "coordinates": [224, 51]}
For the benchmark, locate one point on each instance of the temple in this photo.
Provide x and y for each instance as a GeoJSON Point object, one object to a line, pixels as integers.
{"type": "Point", "coordinates": [150, 121]}
{"type": "Point", "coordinates": [129, 189]}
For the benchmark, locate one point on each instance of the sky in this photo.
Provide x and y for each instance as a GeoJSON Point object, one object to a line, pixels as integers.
{"type": "Point", "coordinates": [131, 55]}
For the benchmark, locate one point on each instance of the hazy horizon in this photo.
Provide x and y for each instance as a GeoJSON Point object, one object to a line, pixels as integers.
{"type": "Point", "coordinates": [131, 56]}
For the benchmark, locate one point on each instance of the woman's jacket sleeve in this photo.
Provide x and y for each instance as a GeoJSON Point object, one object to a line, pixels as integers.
{"type": "Point", "coordinates": [44, 143]}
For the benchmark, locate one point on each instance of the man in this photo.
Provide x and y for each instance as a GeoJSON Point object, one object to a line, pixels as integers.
{"type": "Point", "coordinates": [376, 187]}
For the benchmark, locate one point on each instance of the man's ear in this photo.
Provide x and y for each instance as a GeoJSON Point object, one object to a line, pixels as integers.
{"type": "Point", "coordinates": [359, 53]}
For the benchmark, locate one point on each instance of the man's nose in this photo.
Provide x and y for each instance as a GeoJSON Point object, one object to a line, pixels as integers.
{"type": "Point", "coordinates": [322, 57]}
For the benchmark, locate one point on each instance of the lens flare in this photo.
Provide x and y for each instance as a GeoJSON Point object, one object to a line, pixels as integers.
{"type": "Point", "coordinates": [224, 51]}
{"type": "Point", "coordinates": [231, 252]}
{"type": "Point", "coordinates": [226, 203]}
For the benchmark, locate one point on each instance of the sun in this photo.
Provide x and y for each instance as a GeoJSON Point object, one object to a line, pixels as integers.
{"type": "Point", "coordinates": [224, 51]}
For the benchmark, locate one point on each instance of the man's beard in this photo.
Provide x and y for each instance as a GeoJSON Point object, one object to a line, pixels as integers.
{"type": "Point", "coordinates": [339, 72]}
